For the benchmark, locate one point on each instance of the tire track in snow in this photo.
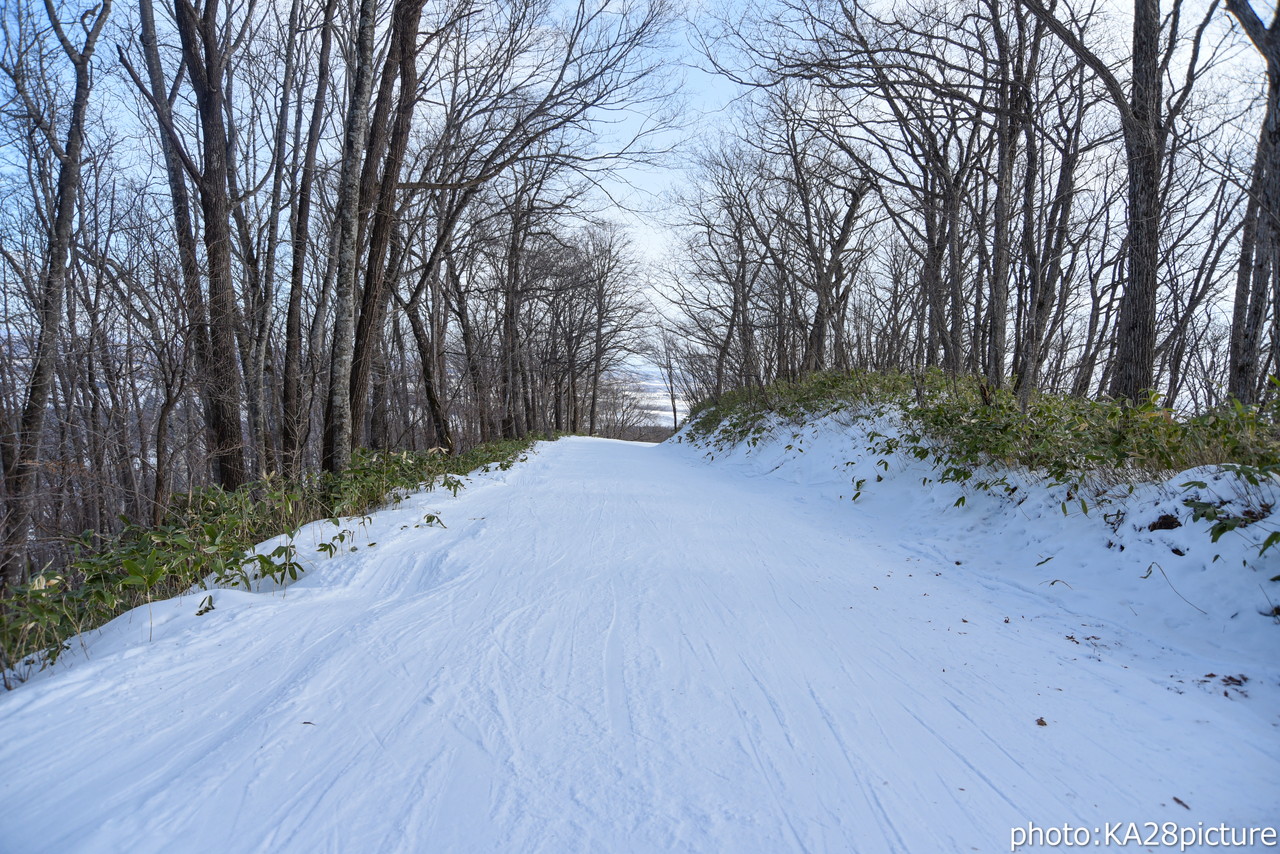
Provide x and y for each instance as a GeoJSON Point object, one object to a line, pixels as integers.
{"type": "Point", "coordinates": [616, 696]}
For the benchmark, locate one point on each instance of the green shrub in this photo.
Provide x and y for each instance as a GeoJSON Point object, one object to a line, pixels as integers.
{"type": "Point", "coordinates": [968, 431]}
{"type": "Point", "coordinates": [961, 422]}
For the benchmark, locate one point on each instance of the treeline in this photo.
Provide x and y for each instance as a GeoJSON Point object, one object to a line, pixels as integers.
{"type": "Point", "coordinates": [240, 238]}
{"type": "Point", "coordinates": [1007, 189]}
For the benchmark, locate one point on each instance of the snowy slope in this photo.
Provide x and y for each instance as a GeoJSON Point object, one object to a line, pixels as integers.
{"type": "Point", "coordinates": [619, 647]}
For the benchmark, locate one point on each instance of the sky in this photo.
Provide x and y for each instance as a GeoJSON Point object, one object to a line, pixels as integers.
{"type": "Point", "coordinates": [643, 191]}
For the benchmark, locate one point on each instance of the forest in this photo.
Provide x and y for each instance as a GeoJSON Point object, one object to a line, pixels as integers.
{"type": "Point", "coordinates": [250, 239]}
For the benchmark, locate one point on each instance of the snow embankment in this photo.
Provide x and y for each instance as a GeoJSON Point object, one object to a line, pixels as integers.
{"type": "Point", "coordinates": [1131, 556]}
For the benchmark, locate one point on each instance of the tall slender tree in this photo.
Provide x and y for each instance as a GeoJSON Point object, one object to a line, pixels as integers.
{"type": "Point", "coordinates": [1258, 277]}
{"type": "Point", "coordinates": [22, 451]}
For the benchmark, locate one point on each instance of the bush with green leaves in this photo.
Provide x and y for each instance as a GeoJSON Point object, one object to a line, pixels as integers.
{"type": "Point", "coordinates": [963, 422]}
{"type": "Point", "coordinates": [969, 431]}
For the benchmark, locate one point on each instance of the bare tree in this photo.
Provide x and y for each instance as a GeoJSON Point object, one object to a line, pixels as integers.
{"type": "Point", "coordinates": [337, 421]}
{"type": "Point", "coordinates": [22, 449]}
{"type": "Point", "coordinates": [206, 51]}
{"type": "Point", "coordinates": [1145, 121]}
{"type": "Point", "coordinates": [1258, 279]}
{"type": "Point", "coordinates": [293, 404]}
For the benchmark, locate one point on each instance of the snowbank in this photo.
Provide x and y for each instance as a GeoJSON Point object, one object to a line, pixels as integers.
{"type": "Point", "coordinates": [1131, 557]}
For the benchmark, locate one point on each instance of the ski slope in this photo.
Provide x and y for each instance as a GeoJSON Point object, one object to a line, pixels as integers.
{"type": "Point", "coordinates": [630, 648]}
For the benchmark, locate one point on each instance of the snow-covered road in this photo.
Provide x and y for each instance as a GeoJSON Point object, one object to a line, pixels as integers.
{"type": "Point", "coordinates": [614, 648]}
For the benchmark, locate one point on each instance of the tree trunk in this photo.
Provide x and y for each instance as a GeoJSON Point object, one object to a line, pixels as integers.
{"type": "Point", "coordinates": [1258, 276]}
{"type": "Point", "coordinates": [337, 428]}
{"type": "Point", "coordinates": [202, 48]}
{"type": "Point", "coordinates": [293, 409]}
{"type": "Point", "coordinates": [373, 305]}
{"type": "Point", "coordinates": [180, 200]}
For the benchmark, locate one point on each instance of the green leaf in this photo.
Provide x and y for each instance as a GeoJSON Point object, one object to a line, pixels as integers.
{"type": "Point", "coordinates": [1272, 539]}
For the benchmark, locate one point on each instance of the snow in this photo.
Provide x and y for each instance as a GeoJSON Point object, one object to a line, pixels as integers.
{"type": "Point", "coordinates": [620, 647]}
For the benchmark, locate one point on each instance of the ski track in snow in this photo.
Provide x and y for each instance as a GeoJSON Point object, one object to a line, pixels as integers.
{"type": "Point", "coordinates": [620, 648]}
